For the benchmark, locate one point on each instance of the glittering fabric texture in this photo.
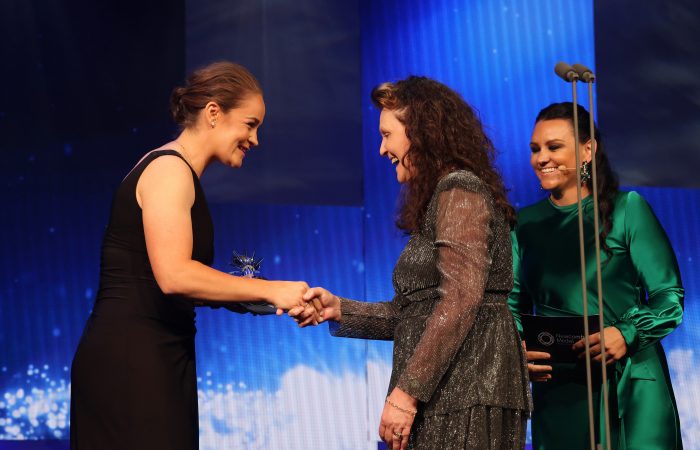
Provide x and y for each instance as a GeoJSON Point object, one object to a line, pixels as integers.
{"type": "Point", "coordinates": [456, 348]}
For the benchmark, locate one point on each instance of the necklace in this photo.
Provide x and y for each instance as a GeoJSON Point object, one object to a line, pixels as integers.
{"type": "Point", "coordinates": [184, 153]}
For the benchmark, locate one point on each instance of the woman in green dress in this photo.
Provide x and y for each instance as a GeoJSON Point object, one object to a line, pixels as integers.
{"type": "Point", "coordinates": [643, 296]}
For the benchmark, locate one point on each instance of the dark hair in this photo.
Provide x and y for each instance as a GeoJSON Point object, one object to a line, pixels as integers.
{"type": "Point", "coordinates": [445, 135]}
{"type": "Point", "coordinates": [223, 82]}
{"type": "Point", "coordinates": [606, 179]}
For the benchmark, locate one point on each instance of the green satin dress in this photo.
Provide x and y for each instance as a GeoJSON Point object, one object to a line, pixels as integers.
{"type": "Point", "coordinates": [643, 298]}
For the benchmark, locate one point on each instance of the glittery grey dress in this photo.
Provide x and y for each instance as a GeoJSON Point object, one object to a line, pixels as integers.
{"type": "Point", "coordinates": [456, 348]}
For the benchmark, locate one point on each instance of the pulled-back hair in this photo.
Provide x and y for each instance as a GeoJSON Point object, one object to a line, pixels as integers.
{"type": "Point", "coordinates": [223, 82]}
{"type": "Point", "coordinates": [445, 135]}
{"type": "Point", "coordinates": [606, 179]}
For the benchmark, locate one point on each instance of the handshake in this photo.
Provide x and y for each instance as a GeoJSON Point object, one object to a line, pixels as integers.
{"type": "Point", "coordinates": [307, 306]}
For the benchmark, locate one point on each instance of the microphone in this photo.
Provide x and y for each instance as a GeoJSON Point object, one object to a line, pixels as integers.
{"type": "Point", "coordinates": [564, 168]}
{"type": "Point", "coordinates": [565, 72]}
{"type": "Point", "coordinates": [584, 73]}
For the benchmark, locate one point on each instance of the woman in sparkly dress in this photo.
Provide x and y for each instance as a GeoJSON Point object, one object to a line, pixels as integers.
{"type": "Point", "coordinates": [459, 378]}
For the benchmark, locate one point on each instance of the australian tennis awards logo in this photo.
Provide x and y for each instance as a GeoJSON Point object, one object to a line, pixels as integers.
{"type": "Point", "coordinates": [548, 339]}
{"type": "Point", "coordinates": [545, 338]}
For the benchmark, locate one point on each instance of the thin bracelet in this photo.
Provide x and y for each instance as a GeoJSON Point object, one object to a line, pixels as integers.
{"type": "Point", "coordinates": [407, 411]}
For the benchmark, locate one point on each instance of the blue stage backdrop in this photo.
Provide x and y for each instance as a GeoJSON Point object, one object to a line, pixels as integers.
{"type": "Point", "coordinates": [264, 383]}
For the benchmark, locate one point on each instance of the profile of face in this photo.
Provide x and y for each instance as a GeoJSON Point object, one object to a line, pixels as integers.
{"type": "Point", "coordinates": [553, 156]}
{"type": "Point", "coordinates": [395, 143]}
{"type": "Point", "coordinates": [236, 131]}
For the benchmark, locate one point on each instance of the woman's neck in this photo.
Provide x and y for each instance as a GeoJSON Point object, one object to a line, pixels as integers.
{"type": "Point", "coordinates": [568, 196]}
{"type": "Point", "coordinates": [195, 152]}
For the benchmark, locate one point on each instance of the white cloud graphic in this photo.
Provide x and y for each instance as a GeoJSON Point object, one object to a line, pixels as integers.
{"type": "Point", "coordinates": [311, 409]}
{"type": "Point", "coordinates": [686, 385]}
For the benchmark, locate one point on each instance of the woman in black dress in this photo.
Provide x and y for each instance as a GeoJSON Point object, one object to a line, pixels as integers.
{"type": "Point", "coordinates": [133, 375]}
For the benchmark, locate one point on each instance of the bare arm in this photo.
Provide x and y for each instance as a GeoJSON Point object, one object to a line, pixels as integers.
{"type": "Point", "coordinates": [165, 193]}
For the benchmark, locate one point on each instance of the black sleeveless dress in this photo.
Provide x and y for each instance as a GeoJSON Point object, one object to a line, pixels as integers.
{"type": "Point", "coordinates": [133, 377]}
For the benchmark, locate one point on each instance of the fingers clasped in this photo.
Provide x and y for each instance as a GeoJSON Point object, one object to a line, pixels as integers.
{"type": "Point", "coordinates": [307, 314]}
{"type": "Point", "coordinates": [320, 305]}
{"type": "Point", "coordinates": [286, 295]}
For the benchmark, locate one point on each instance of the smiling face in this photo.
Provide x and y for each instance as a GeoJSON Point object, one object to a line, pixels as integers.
{"type": "Point", "coordinates": [236, 131]}
{"type": "Point", "coordinates": [553, 158]}
{"type": "Point", "coordinates": [395, 143]}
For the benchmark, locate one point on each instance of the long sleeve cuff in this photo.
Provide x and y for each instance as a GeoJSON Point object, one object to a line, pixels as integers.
{"type": "Point", "coordinates": [414, 388]}
{"type": "Point", "coordinates": [630, 333]}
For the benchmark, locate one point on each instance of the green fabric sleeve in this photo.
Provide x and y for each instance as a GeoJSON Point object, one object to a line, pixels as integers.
{"type": "Point", "coordinates": [652, 255]}
{"type": "Point", "coordinates": [518, 301]}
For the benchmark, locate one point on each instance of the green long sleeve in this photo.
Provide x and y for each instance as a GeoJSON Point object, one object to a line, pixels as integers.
{"type": "Point", "coordinates": [652, 256]}
{"type": "Point", "coordinates": [518, 301]}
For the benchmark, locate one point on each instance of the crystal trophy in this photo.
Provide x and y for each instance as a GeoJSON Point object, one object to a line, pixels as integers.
{"type": "Point", "coordinates": [249, 267]}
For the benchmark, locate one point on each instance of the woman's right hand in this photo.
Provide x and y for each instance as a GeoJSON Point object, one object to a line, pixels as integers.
{"type": "Point", "coordinates": [285, 295]}
{"type": "Point", "coordinates": [326, 306]}
{"type": "Point", "coordinates": [537, 372]}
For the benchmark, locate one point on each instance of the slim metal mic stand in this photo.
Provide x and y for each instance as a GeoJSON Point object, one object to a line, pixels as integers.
{"type": "Point", "coordinates": [588, 77]}
{"type": "Point", "coordinates": [566, 72]}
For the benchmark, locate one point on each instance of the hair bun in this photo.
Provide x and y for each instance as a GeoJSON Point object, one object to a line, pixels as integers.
{"type": "Point", "coordinates": [177, 108]}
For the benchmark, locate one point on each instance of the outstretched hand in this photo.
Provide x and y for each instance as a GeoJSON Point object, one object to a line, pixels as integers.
{"type": "Point", "coordinates": [285, 295]}
{"type": "Point", "coordinates": [321, 305]}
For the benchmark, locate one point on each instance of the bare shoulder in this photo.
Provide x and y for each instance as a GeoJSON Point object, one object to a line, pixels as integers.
{"type": "Point", "coordinates": [167, 175]}
{"type": "Point", "coordinates": [167, 168]}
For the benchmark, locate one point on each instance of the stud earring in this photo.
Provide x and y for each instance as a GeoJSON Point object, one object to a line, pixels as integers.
{"type": "Point", "coordinates": [213, 123]}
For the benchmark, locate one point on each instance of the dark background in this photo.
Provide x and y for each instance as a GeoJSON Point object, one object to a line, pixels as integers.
{"type": "Point", "coordinates": [648, 64]}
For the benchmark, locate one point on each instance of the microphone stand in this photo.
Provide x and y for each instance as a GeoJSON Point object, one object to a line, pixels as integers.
{"type": "Point", "coordinates": [568, 74]}
{"type": "Point", "coordinates": [588, 77]}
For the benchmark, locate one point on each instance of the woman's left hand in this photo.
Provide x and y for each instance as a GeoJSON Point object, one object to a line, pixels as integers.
{"type": "Point", "coordinates": [395, 425]}
{"type": "Point", "coordinates": [615, 346]}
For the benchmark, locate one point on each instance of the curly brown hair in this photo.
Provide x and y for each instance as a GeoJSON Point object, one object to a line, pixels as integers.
{"type": "Point", "coordinates": [445, 135]}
